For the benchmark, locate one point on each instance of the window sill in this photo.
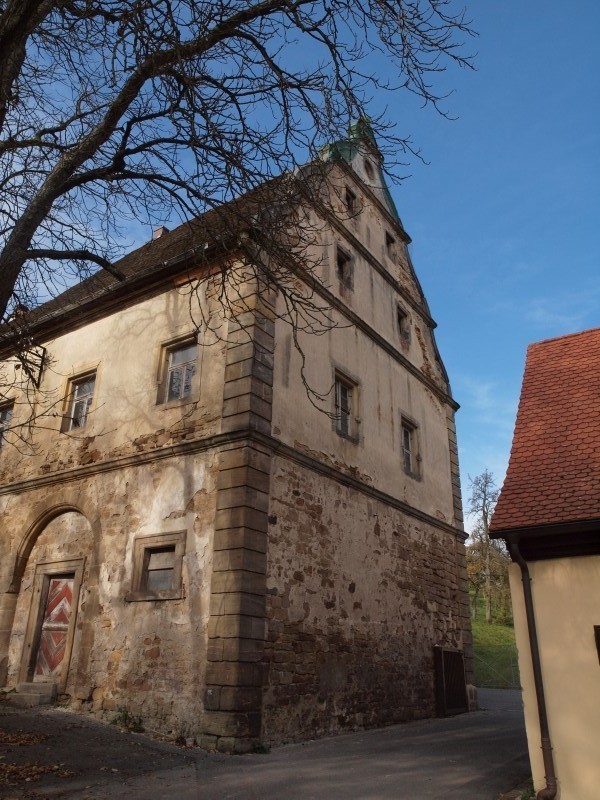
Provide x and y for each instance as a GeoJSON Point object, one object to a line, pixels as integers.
{"type": "Point", "coordinates": [416, 476]}
{"type": "Point", "coordinates": [347, 437]}
{"type": "Point", "coordinates": [186, 401]}
{"type": "Point", "coordinates": [137, 597]}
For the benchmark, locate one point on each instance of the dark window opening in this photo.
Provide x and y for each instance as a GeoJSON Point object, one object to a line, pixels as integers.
{"type": "Point", "coordinates": [6, 412]}
{"type": "Point", "coordinates": [344, 268]}
{"type": "Point", "coordinates": [350, 201]}
{"type": "Point", "coordinates": [390, 246]}
{"type": "Point", "coordinates": [403, 324]}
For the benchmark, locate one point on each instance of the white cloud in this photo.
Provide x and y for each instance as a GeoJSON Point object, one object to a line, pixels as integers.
{"type": "Point", "coordinates": [566, 312]}
{"type": "Point", "coordinates": [486, 402]}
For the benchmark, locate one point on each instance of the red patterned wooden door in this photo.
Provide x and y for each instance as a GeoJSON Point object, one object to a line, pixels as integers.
{"type": "Point", "coordinates": [55, 628]}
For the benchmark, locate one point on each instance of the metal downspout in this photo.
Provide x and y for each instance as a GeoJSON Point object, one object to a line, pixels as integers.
{"type": "Point", "coordinates": [549, 792]}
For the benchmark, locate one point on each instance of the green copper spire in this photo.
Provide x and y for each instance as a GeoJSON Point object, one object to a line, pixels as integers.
{"type": "Point", "coordinates": [361, 141]}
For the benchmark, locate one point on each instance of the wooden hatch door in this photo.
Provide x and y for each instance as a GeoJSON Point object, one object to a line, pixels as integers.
{"type": "Point", "coordinates": [54, 631]}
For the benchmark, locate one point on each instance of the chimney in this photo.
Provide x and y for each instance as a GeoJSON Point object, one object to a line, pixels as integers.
{"type": "Point", "coordinates": [158, 232]}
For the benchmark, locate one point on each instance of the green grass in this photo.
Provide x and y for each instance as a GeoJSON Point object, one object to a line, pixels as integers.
{"type": "Point", "coordinates": [495, 655]}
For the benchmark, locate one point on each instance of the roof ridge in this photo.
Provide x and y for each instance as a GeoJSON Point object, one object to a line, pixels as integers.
{"type": "Point", "coordinates": [564, 336]}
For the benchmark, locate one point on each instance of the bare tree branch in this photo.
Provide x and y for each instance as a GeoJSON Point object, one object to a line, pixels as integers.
{"type": "Point", "coordinates": [116, 113]}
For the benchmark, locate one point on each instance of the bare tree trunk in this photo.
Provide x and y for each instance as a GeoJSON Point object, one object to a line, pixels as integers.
{"type": "Point", "coordinates": [488, 583]}
{"type": "Point", "coordinates": [474, 600]}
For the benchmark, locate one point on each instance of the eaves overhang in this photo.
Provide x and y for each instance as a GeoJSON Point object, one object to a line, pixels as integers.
{"type": "Point", "coordinates": [555, 540]}
{"type": "Point", "coordinates": [105, 301]}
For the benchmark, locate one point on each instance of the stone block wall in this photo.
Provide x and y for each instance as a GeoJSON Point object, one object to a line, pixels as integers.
{"type": "Point", "coordinates": [358, 593]}
{"type": "Point", "coordinates": [236, 631]}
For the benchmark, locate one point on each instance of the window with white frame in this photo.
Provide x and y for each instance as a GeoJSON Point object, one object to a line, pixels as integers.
{"type": "Point", "coordinates": [79, 402]}
{"type": "Point", "coordinates": [6, 412]}
{"type": "Point", "coordinates": [411, 458]}
{"type": "Point", "coordinates": [179, 366]}
{"type": "Point", "coordinates": [345, 400]}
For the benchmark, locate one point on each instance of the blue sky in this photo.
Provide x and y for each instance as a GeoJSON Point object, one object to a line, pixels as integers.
{"type": "Point", "coordinates": [505, 218]}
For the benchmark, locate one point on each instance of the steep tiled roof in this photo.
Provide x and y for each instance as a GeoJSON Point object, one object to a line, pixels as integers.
{"type": "Point", "coordinates": [190, 236]}
{"type": "Point", "coordinates": [554, 470]}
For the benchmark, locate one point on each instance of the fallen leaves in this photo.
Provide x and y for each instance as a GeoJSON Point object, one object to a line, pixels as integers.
{"type": "Point", "coordinates": [12, 773]}
{"type": "Point", "coordinates": [21, 738]}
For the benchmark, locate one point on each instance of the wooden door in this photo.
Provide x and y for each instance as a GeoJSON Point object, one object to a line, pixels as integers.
{"type": "Point", "coordinates": [54, 631]}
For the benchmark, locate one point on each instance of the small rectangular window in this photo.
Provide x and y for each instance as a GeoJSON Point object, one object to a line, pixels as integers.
{"type": "Point", "coordinates": [407, 448]}
{"type": "Point", "coordinates": [350, 201]}
{"type": "Point", "coordinates": [157, 562]}
{"type": "Point", "coordinates": [6, 413]}
{"type": "Point", "coordinates": [403, 324]}
{"type": "Point", "coordinates": [345, 401]}
{"type": "Point", "coordinates": [159, 568]}
{"type": "Point", "coordinates": [79, 402]}
{"type": "Point", "coordinates": [179, 368]}
{"type": "Point", "coordinates": [390, 246]}
{"type": "Point", "coordinates": [344, 268]}
{"type": "Point", "coordinates": [411, 458]}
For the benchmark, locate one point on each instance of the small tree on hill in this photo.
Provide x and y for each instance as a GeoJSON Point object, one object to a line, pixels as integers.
{"type": "Point", "coordinates": [487, 561]}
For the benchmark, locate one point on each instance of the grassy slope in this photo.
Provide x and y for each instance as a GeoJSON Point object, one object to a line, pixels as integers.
{"type": "Point", "coordinates": [495, 655]}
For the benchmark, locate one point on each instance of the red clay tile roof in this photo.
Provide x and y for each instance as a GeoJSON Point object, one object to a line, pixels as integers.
{"type": "Point", "coordinates": [554, 469]}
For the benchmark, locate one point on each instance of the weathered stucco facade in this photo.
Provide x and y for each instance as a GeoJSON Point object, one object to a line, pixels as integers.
{"type": "Point", "coordinates": [315, 554]}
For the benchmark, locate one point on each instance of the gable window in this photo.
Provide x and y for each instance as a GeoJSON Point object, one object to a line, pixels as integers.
{"type": "Point", "coordinates": [390, 246]}
{"type": "Point", "coordinates": [79, 402]}
{"type": "Point", "coordinates": [402, 321]}
{"type": "Point", "coordinates": [411, 459]}
{"type": "Point", "coordinates": [345, 400]}
{"type": "Point", "coordinates": [344, 268]}
{"type": "Point", "coordinates": [350, 201]}
{"type": "Point", "coordinates": [6, 412]}
{"type": "Point", "coordinates": [179, 368]}
{"type": "Point", "coordinates": [157, 562]}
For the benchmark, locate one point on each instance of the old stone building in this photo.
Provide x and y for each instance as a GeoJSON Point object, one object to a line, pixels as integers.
{"type": "Point", "coordinates": [187, 535]}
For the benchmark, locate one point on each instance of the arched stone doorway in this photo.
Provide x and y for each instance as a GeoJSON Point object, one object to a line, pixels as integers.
{"type": "Point", "coordinates": [54, 561]}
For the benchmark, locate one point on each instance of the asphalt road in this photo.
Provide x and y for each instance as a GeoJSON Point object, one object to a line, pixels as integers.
{"type": "Point", "coordinates": [468, 757]}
